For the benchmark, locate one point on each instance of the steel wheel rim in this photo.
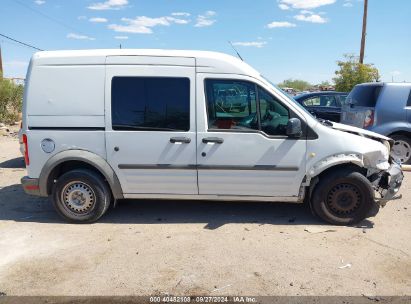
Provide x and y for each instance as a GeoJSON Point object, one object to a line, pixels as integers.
{"type": "Point", "coordinates": [344, 199]}
{"type": "Point", "coordinates": [401, 151]}
{"type": "Point", "coordinates": [78, 197]}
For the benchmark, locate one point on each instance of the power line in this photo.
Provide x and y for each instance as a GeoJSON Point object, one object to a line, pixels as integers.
{"type": "Point", "coordinates": [48, 17]}
{"type": "Point", "coordinates": [20, 42]}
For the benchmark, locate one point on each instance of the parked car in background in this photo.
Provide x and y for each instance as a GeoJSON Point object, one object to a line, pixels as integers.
{"type": "Point", "coordinates": [384, 108]}
{"type": "Point", "coordinates": [323, 104]}
{"type": "Point", "coordinates": [290, 91]}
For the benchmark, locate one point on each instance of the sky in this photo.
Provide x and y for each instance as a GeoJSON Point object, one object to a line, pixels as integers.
{"type": "Point", "coordinates": [283, 39]}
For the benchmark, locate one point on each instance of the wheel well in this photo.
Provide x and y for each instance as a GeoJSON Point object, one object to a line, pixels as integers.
{"type": "Point", "coordinates": [403, 133]}
{"type": "Point", "coordinates": [316, 179]}
{"type": "Point", "coordinates": [352, 166]}
{"type": "Point", "coordinates": [66, 166]}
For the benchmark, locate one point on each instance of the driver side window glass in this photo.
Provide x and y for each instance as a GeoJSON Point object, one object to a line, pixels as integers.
{"type": "Point", "coordinates": [274, 116]}
{"type": "Point", "coordinates": [231, 104]}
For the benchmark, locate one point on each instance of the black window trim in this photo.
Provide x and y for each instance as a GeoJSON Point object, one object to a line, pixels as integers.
{"type": "Point", "coordinates": [409, 100]}
{"type": "Point", "coordinates": [125, 129]}
{"type": "Point", "coordinates": [292, 114]}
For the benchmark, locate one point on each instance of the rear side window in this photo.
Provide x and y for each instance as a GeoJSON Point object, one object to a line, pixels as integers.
{"type": "Point", "coordinates": [409, 100]}
{"type": "Point", "coordinates": [312, 101]}
{"type": "Point", "coordinates": [364, 96]}
{"type": "Point", "coordinates": [321, 101]}
{"type": "Point", "coordinates": [150, 103]}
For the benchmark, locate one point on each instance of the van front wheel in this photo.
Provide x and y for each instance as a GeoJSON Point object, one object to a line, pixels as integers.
{"type": "Point", "coordinates": [81, 196]}
{"type": "Point", "coordinates": [344, 197]}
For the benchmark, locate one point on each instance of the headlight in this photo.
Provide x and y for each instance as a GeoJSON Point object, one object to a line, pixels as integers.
{"type": "Point", "coordinates": [388, 146]}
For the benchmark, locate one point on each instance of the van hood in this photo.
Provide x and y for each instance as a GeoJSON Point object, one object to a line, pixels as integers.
{"type": "Point", "coordinates": [360, 132]}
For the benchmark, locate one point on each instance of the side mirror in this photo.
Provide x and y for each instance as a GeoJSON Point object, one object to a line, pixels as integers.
{"type": "Point", "coordinates": [294, 128]}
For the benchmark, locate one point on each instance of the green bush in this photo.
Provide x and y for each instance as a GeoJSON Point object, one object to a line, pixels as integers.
{"type": "Point", "coordinates": [11, 100]}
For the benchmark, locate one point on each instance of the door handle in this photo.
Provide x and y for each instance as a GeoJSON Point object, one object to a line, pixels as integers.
{"type": "Point", "coordinates": [215, 140]}
{"type": "Point", "coordinates": [183, 140]}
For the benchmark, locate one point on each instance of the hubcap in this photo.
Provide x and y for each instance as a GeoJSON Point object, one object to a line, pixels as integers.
{"type": "Point", "coordinates": [344, 199]}
{"type": "Point", "coordinates": [78, 197]}
{"type": "Point", "coordinates": [401, 151]}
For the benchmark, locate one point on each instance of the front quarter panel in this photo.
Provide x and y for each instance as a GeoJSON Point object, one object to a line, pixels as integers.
{"type": "Point", "coordinates": [335, 147]}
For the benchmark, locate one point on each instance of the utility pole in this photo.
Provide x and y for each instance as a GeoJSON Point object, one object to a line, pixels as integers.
{"type": "Point", "coordinates": [364, 31]}
{"type": "Point", "coordinates": [1, 65]}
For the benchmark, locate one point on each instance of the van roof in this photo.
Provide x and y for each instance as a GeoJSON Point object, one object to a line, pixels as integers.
{"type": "Point", "coordinates": [210, 61]}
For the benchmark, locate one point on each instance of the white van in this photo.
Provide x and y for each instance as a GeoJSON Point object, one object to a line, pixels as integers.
{"type": "Point", "coordinates": [104, 125]}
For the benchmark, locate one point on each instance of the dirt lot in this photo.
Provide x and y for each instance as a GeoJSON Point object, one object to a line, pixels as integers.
{"type": "Point", "coordinates": [183, 248]}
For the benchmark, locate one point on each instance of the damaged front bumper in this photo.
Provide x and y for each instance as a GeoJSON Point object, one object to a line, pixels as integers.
{"type": "Point", "coordinates": [388, 183]}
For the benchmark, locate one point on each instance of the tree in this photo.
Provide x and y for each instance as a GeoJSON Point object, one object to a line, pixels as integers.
{"type": "Point", "coordinates": [351, 73]}
{"type": "Point", "coordinates": [11, 96]}
{"type": "Point", "coordinates": [297, 84]}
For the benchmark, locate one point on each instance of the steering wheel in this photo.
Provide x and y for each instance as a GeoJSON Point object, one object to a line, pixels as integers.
{"type": "Point", "coordinates": [267, 115]}
{"type": "Point", "coordinates": [248, 121]}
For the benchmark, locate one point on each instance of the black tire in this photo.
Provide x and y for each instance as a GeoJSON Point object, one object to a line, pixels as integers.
{"type": "Point", "coordinates": [406, 143]}
{"type": "Point", "coordinates": [81, 196]}
{"type": "Point", "coordinates": [344, 197]}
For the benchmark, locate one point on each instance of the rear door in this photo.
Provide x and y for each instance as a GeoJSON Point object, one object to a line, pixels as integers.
{"type": "Point", "coordinates": [150, 124]}
{"type": "Point", "coordinates": [359, 107]}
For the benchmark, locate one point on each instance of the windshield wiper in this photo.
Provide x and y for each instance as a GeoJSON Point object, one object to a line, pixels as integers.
{"type": "Point", "coordinates": [325, 122]}
{"type": "Point", "coordinates": [140, 128]}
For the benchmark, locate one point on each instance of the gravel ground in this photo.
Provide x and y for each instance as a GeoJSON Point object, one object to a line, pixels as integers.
{"type": "Point", "coordinates": [191, 248]}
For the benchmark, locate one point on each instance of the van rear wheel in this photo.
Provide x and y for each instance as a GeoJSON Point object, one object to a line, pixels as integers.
{"type": "Point", "coordinates": [344, 197]}
{"type": "Point", "coordinates": [81, 196]}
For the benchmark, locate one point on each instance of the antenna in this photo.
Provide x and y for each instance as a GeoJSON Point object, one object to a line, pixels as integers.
{"type": "Point", "coordinates": [238, 54]}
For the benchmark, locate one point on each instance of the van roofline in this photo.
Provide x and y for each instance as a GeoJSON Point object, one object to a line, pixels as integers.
{"type": "Point", "coordinates": [131, 52]}
{"type": "Point", "coordinates": [208, 60]}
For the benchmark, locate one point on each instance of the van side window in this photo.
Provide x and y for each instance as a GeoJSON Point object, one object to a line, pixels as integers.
{"type": "Point", "coordinates": [150, 103]}
{"type": "Point", "coordinates": [274, 116]}
{"type": "Point", "coordinates": [231, 104]}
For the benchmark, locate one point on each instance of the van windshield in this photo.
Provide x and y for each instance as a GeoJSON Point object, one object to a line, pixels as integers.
{"type": "Point", "coordinates": [288, 96]}
{"type": "Point", "coordinates": [364, 95]}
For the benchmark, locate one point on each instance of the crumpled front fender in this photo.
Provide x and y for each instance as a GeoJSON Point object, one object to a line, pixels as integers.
{"type": "Point", "coordinates": [335, 160]}
{"type": "Point", "coordinates": [370, 160]}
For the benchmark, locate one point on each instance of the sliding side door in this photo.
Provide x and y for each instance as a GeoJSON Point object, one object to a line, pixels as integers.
{"type": "Point", "coordinates": [150, 123]}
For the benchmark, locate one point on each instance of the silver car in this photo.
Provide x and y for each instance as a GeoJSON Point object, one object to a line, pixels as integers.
{"type": "Point", "coordinates": [383, 108]}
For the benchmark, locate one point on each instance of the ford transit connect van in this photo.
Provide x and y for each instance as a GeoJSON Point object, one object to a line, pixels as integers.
{"type": "Point", "coordinates": [104, 125]}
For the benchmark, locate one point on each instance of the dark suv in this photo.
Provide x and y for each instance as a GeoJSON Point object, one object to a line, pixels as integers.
{"type": "Point", "coordinates": [325, 105]}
